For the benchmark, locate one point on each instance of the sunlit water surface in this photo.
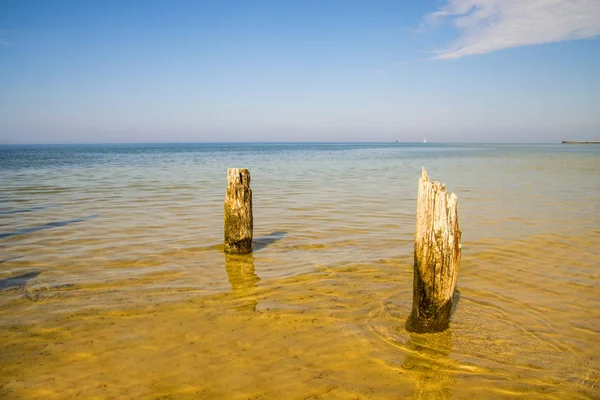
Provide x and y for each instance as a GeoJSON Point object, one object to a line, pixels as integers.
{"type": "Point", "coordinates": [113, 283]}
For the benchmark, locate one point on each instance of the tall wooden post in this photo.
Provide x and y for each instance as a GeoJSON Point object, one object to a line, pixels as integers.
{"type": "Point", "coordinates": [437, 255]}
{"type": "Point", "coordinates": [238, 212]}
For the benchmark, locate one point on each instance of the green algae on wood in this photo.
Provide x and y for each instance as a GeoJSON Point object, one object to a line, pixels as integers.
{"type": "Point", "coordinates": [436, 257]}
{"type": "Point", "coordinates": [238, 212]}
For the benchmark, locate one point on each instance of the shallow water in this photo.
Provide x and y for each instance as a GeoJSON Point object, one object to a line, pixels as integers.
{"type": "Point", "coordinates": [113, 282]}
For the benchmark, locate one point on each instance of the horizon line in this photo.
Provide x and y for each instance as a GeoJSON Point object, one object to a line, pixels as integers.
{"type": "Point", "coordinates": [270, 142]}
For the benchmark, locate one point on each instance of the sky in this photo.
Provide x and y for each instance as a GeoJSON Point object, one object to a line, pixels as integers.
{"type": "Point", "coordinates": [299, 70]}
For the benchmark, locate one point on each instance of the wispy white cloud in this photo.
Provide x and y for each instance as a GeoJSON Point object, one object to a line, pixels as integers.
{"type": "Point", "coordinates": [488, 25]}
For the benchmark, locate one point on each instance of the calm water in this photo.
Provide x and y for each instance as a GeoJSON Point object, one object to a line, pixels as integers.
{"type": "Point", "coordinates": [113, 283]}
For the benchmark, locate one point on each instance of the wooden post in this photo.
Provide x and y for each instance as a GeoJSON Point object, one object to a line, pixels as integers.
{"type": "Point", "coordinates": [238, 212]}
{"type": "Point", "coordinates": [437, 255]}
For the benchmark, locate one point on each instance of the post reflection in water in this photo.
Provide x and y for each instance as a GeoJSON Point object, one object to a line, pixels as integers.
{"type": "Point", "coordinates": [240, 272]}
{"type": "Point", "coordinates": [429, 364]}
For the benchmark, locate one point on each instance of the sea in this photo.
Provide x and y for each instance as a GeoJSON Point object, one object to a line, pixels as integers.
{"type": "Point", "coordinates": [114, 283]}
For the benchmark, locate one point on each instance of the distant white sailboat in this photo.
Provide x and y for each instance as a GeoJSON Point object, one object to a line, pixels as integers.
{"type": "Point", "coordinates": [424, 140]}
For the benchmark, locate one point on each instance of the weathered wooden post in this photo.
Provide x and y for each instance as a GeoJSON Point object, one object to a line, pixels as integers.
{"type": "Point", "coordinates": [238, 212]}
{"type": "Point", "coordinates": [437, 255]}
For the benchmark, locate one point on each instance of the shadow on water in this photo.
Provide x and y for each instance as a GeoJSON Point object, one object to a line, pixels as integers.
{"type": "Point", "coordinates": [49, 225]}
{"type": "Point", "coordinates": [258, 243]}
{"type": "Point", "coordinates": [240, 272]}
{"type": "Point", "coordinates": [15, 281]}
{"type": "Point", "coordinates": [10, 259]}
{"type": "Point", "coordinates": [429, 364]}
{"type": "Point", "coordinates": [455, 301]}
{"type": "Point", "coordinates": [264, 241]}
{"type": "Point", "coordinates": [24, 210]}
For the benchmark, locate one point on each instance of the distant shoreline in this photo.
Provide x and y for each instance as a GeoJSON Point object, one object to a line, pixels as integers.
{"type": "Point", "coordinates": [581, 142]}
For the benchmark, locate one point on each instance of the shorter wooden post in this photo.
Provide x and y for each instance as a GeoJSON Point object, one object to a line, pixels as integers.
{"type": "Point", "coordinates": [437, 255]}
{"type": "Point", "coordinates": [238, 212]}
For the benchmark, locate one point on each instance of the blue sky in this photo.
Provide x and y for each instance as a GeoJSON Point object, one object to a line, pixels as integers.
{"type": "Point", "coordinates": [283, 70]}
